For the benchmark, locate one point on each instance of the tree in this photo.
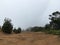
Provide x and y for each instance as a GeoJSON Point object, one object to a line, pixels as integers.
{"type": "Point", "coordinates": [47, 26]}
{"type": "Point", "coordinates": [55, 20]}
{"type": "Point", "coordinates": [17, 30]}
{"type": "Point", "coordinates": [7, 26]}
{"type": "Point", "coordinates": [36, 29]}
{"type": "Point", "coordinates": [14, 30]}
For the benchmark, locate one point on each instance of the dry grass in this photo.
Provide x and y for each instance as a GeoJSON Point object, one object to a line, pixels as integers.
{"type": "Point", "coordinates": [29, 38]}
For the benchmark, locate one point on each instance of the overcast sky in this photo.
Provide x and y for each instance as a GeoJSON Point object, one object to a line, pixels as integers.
{"type": "Point", "coordinates": [27, 13]}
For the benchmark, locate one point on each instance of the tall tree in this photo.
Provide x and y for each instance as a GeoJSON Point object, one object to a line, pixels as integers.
{"type": "Point", "coordinates": [55, 20]}
{"type": "Point", "coordinates": [7, 26]}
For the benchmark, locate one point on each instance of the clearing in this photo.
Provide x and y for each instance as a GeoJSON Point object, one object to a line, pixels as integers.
{"type": "Point", "coordinates": [29, 38]}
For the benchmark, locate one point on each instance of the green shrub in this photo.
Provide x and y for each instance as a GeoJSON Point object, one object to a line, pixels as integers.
{"type": "Point", "coordinates": [49, 31]}
{"type": "Point", "coordinates": [36, 29]}
{"type": "Point", "coordinates": [54, 32]}
{"type": "Point", "coordinates": [14, 30]}
{"type": "Point", "coordinates": [17, 30]}
{"type": "Point", "coordinates": [7, 26]}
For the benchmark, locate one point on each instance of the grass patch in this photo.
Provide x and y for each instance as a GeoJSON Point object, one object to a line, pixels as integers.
{"type": "Point", "coordinates": [54, 32]}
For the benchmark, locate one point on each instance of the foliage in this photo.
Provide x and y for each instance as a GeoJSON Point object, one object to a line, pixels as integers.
{"type": "Point", "coordinates": [7, 26]}
{"type": "Point", "coordinates": [54, 32]}
{"type": "Point", "coordinates": [35, 29]}
{"type": "Point", "coordinates": [17, 30]}
{"type": "Point", "coordinates": [14, 30]}
{"type": "Point", "coordinates": [55, 20]}
{"type": "Point", "coordinates": [47, 26]}
{"type": "Point", "coordinates": [54, 26]}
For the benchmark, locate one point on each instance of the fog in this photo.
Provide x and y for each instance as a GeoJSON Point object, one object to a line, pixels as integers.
{"type": "Point", "coordinates": [27, 13]}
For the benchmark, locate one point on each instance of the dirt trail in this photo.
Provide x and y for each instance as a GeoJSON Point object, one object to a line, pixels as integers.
{"type": "Point", "coordinates": [29, 38]}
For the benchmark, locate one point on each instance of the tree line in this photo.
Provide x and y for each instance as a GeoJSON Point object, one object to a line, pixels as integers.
{"type": "Point", "coordinates": [52, 28]}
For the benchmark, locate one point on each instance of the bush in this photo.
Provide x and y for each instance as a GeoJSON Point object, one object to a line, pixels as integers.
{"type": "Point", "coordinates": [7, 26]}
{"type": "Point", "coordinates": [54, 32]}
{"type": "Point", "coordinates": [49, 31]}
{"type": "Point", "coordinates": [36, 29]}
{"type": "Point", "coordinates": [14, 30]}
{"type": "Point", "coordinates": [17, 30]}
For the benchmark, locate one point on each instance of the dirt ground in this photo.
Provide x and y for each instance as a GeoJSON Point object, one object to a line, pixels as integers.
{"type": "Point", "coordinates": [29, 38]}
